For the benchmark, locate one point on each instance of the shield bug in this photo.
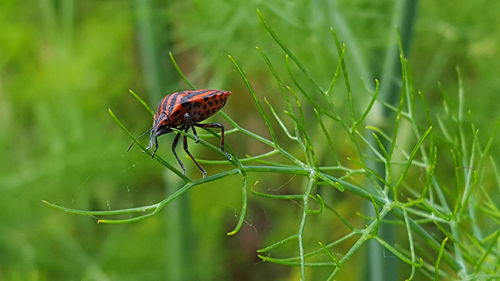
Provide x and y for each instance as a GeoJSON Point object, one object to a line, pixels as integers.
{"type": "Point", "coordinates": [183, 110]}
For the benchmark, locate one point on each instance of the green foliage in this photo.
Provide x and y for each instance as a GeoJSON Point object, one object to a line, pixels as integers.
{"type": "Point", "coordinates": [422, 207]}
{"type": "Point", "coordinates": [301, 153]}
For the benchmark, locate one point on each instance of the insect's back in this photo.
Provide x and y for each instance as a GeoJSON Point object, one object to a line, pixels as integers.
{"type": "Point", "coordinates": [200, 104]}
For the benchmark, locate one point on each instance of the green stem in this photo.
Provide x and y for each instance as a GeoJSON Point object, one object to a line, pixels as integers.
{"type": "Point", "coordinates": [380, 269]}
{"type": "Point", "coordinates": [180, 243]}
{"type": "Point", "coordinates": [305, 200]}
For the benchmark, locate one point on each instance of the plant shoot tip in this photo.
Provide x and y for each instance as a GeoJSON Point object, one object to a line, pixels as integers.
{"type": "Point", "coordinates": [262, 257]}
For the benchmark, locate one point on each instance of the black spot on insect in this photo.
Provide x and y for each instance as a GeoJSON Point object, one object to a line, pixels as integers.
{"type": "Point", "coordinates": [176, 113]}
{"type": "Point", "coordinates": [216, 101]}
{"type": "Point", "coordinates": [205, 98]}
{"type": "Point", "coordinates": [196, 105]}
{"type": "Point", "coordinates": [210, 103]}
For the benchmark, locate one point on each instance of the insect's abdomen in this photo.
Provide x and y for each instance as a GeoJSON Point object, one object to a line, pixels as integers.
{"type": "Point", "coordinates": [200, 104]}
{"type": "Point", "coordinates": [203, 106]}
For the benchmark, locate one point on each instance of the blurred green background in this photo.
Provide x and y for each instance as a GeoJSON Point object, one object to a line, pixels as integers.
{"type": "Point", "coordinates": [63, 63]}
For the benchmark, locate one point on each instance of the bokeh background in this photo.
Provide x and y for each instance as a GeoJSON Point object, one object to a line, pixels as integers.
{"type": "Point", "coordinates": [64, 63]}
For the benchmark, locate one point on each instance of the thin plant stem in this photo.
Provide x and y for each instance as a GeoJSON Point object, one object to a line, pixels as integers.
{"type": "Point", "coordinates": [403, 18]}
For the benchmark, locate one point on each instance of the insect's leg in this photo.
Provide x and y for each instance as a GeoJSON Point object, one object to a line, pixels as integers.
{"type": "Point", "coordinates": [153, 141]}
{"type": "Point", "coordinates": [150, 141]}
{"type": "Point", "coordinates": [191, 156]}
{"type": "Point", "coordinates": [156, 147]}
{"type": "Point", "coordinates": [187, 119]}
{"type": "Point", "coordinates": [221, 127]}
{"type": "Point", "coordinates": [174, 145]}
{"type": "Point", "coordinates": [196, 137]}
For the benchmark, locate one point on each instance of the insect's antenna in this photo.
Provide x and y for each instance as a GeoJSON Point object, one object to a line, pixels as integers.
{"type": "Point", "coordinates": [134, 141]}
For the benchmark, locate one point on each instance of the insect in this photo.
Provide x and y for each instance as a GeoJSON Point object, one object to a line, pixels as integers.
{"type": "Point", "coordinates": [183, 110]}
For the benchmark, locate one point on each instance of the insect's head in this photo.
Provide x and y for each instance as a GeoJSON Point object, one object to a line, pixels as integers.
{"type": "Point", "coordinates": [160, 127]}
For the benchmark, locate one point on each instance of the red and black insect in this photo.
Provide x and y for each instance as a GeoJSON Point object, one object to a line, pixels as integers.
{"type": "Point", "coordinates": [183, 110]}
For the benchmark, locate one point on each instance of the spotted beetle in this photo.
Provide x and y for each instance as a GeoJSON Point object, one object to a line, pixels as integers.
{"type": "Point", "coordinates": [183, 110]}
